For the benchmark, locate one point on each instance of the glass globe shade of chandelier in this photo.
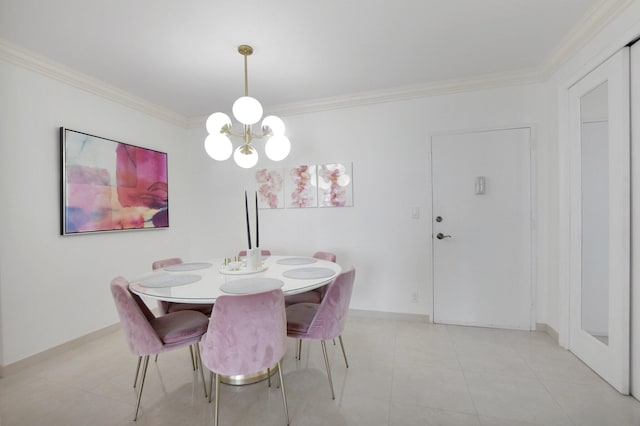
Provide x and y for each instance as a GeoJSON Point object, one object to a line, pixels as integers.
{"type": "Point", "coordinates": [248, 111]}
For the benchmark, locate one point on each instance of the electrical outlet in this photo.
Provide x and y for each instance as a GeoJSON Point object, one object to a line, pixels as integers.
{"type": "Point", "coordinates": [414, 297]}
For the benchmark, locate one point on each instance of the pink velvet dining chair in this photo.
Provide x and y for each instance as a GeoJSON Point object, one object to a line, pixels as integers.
{"type": "Point", "coordinates": [325, 320]}
{"type": "Point", "coordinates": [315, 295]}
{"type": "Point", "coordinates": [247, 334]}
{"type": "Point", "coordinates": [147, 335]}
{"type": "Point", "coordinates": [168, 307]}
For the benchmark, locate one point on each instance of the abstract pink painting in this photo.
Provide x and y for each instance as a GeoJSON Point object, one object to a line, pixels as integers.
{"type": "Point", "coordinates": [109, 185]}
{"type": "Point", "coordinates": [270, 188]}
{"type": "Point", "coordinates": [300, 187]}
{"type": "Point", "coordinates": [335, 185]}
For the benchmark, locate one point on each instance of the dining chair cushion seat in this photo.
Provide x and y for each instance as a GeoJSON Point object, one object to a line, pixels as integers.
{"type": "Point", "coordinates": [299, 317]}
{"type": "Point", "coordinates": [311, 296]}
{"type": "Point", "coordinates": [179, 326]}
{"type": "Point", "coordinates": [205, 308]}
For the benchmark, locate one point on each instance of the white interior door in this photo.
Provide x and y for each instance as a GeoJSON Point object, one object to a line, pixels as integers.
{"type": "Point", "coordinates": [600, 220]}
{"type": "Point", "coordinates": [482, 228]}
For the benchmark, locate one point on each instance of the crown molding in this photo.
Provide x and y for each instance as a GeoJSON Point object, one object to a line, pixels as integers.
{"type": "Point", "coordinates": [601, 14]}
{"type": "Point", "coordinates": [443, 87]}
{"type": "Point", "coordinates": [31, 61]}
{"type": "Point", "coordinates": [591, 24]}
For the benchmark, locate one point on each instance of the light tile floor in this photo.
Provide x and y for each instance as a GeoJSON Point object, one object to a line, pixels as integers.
{"type": "Point", "coordinates": [401, 373]}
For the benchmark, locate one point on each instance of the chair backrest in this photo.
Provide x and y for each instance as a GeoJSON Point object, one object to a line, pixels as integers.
{"type": "Point", "coordinates": [242, 253]}
{"type": "Point", "coordinates": [330, 318]}
{"type": "Point", "coordinates": [325, 255]}
{"type": "Point", "coordinates": [163, 305]}
{"type": "Point", "coordinates": [247, 333]}
{"type": "Point", "coordinates": [134, 317]}
{"type": "Point", "coordinates": [165, 262]}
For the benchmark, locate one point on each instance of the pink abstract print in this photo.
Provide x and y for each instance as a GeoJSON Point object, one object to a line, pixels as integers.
{"type": "Point", "coordinates": [270, 188]}
{"type": "Point", "coordinates": [113, 186]}
{"type": "Point", "coordinates": [302, 188]}
{"type": "Point", "coordinates": [334, 185]}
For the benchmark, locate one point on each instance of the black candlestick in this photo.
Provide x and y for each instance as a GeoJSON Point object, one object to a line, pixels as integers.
{"type": "Point", "coordinates": [257, 227]}
{"type": "Point", "coordinates": [246, 211]}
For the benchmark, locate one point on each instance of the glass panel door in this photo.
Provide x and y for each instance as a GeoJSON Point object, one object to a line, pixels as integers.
{"type": "Point", "coordinates": [600, 220]}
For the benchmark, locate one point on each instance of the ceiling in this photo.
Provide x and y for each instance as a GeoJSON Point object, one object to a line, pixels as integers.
{"type": "Point", "coordinates": [181, 56]}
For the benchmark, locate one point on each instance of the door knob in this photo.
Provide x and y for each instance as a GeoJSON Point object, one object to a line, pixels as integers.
{"type": "Point", "coordinates": [441, 236]}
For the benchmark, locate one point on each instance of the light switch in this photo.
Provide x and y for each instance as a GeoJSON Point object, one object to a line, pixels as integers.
{"type": "Point", "coordinates": [415, 213]}
{"type": "Point", "coordinates": [480, 185]}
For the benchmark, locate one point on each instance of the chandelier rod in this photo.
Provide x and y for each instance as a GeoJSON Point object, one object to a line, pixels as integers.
{"type": "Point", "coordinates": [245, 50]}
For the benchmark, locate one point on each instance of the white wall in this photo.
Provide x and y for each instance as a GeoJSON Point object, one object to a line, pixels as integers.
{"type": "Point", "coordinates": [52, 288]}
{"type": "Point", "coordinates": [389, 147]}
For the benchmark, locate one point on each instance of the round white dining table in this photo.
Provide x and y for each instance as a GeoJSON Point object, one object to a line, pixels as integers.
{"type": "Point", "coordinates": [204, 281]}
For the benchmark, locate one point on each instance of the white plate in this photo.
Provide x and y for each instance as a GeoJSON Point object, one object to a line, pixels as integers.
{"type": "Point", "coordinates": [297, 261]}
{"type": "Point", "coordinates": [193, 266]}
{"type": "Point", "coordinates": [160, 281]}
{"type": "Point", "coordinates": [310, 272]}
{"type": "Point", "coordinates": [251, 285]}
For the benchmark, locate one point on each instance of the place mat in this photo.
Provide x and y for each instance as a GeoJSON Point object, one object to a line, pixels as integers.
{"type": "Point", "coordinates": [311, 272]}
{"type": "Point", "coordinates": [251, 285]}
{"type": "Point", "coordinates": [160, 281]}
{"type": "Point", "coordinates": [193, 266]}
{"type": "Point", "coordinates": [297, 261]}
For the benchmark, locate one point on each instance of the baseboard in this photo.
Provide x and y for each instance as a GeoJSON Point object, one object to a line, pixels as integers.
{"type": "Point", "coordinates": [388, 315]}
{"type": "Point", "coordinates": [540, 326]}
{"type": "Point", "coordinates": [6, 370]}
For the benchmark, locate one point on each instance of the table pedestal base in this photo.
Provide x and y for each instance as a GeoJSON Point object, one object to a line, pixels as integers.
{"type": "Point", "coordinates": [247, 379]}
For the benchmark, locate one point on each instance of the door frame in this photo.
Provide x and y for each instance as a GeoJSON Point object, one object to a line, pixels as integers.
{"type": "Point", "coordinates": [533, 207]}
{"type": "Point", "coordinates": [634, 357]}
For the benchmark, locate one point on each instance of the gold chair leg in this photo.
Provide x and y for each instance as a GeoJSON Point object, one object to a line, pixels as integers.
{"type": "Point", "coordinates": [156, 360]}
{"type": "Point", "coordinates": [326, 362]}
{"type": "Point", "coordinates": [199, 363]}
{"type": "Point", "coordinates": [144, 374]}
{"type": "Point", "coordinates": [217, 405]}
{"type": "Point", "coordinates": [344, 354]}
{"type": "Point", "coordinates": [210, 386]}
{"type": "Point", "coordinates": [284, 395]}
{"type": "Point", "coordinates": [193, 360]}
{"type": "Point", "coordinates": [269, 377]}
{"type": "Point", "coordinates": [299, 349]}
{"type": "Point", "coordinates": [135, 379]}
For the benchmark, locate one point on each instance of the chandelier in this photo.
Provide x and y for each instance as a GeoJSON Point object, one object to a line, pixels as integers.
{"type": "Point", "coordinates": [247, 111]}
